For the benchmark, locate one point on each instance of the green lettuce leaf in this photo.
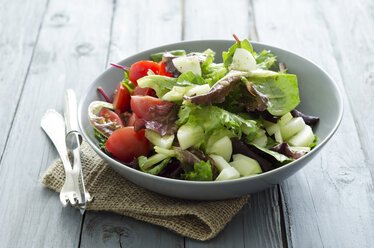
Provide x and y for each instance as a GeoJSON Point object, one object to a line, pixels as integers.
{"type": "Point", "coordinates": [241, 100]}
{"type": "Point", "coordinates": [315, 141]}
{"type": "Point", "coordinates": [265, 60]}
{"type": "Point", "coordinates": [280, 89]}
{"type": "Point", "coordinates": [190, 78]}
{"type": "Point", "coordinates": [156, 168]}
{"type": "Point", "coordinates": [160, 84]}
{"type": "Point", "coordinates": [213, 72]}
{"type": "Point", "coordinates": [202, 172]}
{"type": "Point", "coordinates": [127, 83]}
{"type": "Point", "coordinates": [211, 118]}
{"type": "Point", "coordinates": [163, 85]}
{"type": "Point", "coordinates": [101, 138]}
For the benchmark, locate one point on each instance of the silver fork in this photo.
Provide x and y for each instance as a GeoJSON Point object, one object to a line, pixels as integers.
{"type": "Point", "coordinates": [54, 125]}
{"type": "Point", "coordinates": [73, 142]}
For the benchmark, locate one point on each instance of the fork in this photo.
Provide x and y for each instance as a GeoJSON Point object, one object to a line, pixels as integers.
{"type": "Point", "coordinates": [54, 125]}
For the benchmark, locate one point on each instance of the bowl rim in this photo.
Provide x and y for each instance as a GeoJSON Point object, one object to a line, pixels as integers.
{"type": "Point", "coordinates": [207, 183]}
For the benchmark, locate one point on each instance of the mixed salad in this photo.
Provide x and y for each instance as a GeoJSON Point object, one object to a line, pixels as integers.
{"type": "Point", "coordinates": [181, 115]}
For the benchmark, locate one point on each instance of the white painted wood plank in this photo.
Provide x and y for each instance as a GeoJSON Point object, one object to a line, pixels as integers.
{"type": "Point", "coordinates": [16, 51]}
{"type": "Point", "coordinates": [159, 23]}
{"type": "Point", "coordinates": [329, 203]}
{"type": "Point", "coordinates": [70, 52]}
{"type": "Point", "coordinates": [251, 228]}
{"type": "Point", "coordinates": [141, 25]}
{"type": "Point", "coordinates": [262, 220]}
{"type": "Point", "coordinates": [353, 41]}
{"type": "Point", "coordinates": [104, 229]}
{"type": "Point", "coordinates": [256, 225]}
{"type": "Point", "coordinates": [218, 20]}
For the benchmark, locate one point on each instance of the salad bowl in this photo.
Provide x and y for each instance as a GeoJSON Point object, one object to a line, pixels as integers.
{"type": "Point", "coordinates": [319, 96]}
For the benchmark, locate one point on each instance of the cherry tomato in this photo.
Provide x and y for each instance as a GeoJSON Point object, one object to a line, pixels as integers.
{"type": "Point", "coordinates": [132, 120]}
{"type": "Point", "coordinates": [110, 116]}
{"type": "Point", "coordinates": [162, 71]}
{"type": "Point", "coordinates": [121, 98]}
{"type": "Point", "coordinates": [140, 69]}
{"type": "Point", "coordinates": [126, 144]}
{"type": "Point", "coordinates": [143, 91]}
{"type": "Point", "coordinates": [140, 105]}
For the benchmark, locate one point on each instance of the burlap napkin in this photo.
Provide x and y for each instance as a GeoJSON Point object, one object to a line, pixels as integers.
{"type": "Point", "coordinates": [201, 220]}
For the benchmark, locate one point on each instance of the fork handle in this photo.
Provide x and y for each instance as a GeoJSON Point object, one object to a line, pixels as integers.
{"type": "Point", "coordinates": [54, 125]}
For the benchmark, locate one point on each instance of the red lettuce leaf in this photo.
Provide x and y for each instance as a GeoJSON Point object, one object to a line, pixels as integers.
{"type": "Point", "coordinates": [308, 119]}
{"type": "Point", "coordinates": [259, 101]}
{"type": "Point", "coordinates": [284, 148]}
{"type": "Point", "coordinates": [218, 92]}
{"type": "Point", "coordinates": [160, 118]}
{"type": "Point", "coordinates": [173, 169]}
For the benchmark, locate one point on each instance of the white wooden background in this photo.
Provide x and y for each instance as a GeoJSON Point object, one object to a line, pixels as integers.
{"type": "Point", "coordinates": [47, 46]}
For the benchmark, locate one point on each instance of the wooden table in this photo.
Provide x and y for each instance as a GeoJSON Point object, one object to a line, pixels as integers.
{"type": "Point", "coordinates": [47, 46]}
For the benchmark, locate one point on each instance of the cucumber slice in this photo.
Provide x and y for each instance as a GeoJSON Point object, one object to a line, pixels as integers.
{"type": "Point", "coordinates": [198, 90]}
{"type": "Point", "coordinates": [217, 135]}
{"type": "Point", "coordinates": [271, 127]}
{"type": "Point", "coordinates": [285, 119]}
{"type": "Point", "coordinates": [304, 138]}
{"type": "Point", "coordinates": [292, 127]}
{"type": "Point", "coordinates": [220, 162]}
{"type": "Point", "coordinates": [223, 148]}
{"type": "Point", "coordinates": [278, 136]}
{"type": "Point", "coordinates": [238, 156]}
{"type": "Point", "coordinates": [243, 60]}
{"type": "Point", "coordinates": [261, 141]}
{"type": "Point", "coordinates": [228, 174]}
{"type": "Point", "coordinates": [246, 167]}
{"type": "Point", "coordinates": [251, 161]}
{"type": "Point", "coordinates": [185, 64]}
{"type": "Point", "coordinates": [155, 138]}
{"type": "Point", "coordinates": [189, 135]}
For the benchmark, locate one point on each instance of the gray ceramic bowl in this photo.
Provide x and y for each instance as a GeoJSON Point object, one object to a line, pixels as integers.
{"type": "Point", "coordinates": [319, 96]}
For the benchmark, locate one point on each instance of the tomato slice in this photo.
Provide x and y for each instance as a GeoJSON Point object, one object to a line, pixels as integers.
{"type": "Point", "coordinates": [125, 144]}
{"type": "Point", "coordinates": [140, 105]}
{"type": "Point", "coordinates": [132, 120]}
{"type": "Point", "coordinates": [121, 98]}
{"type": "Point", "coordinates": [143, 91]}
{"type": "Point", "coordinates": [140, 69]}
{"type": "Point", "coordinates": [110, 116]}
{"type": "Point", "coordinates": [163, 70]}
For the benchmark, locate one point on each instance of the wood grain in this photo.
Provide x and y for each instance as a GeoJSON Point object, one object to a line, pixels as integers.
{"type": "Point", "coordinates": [70, 52]}
{"type": "Point", "coordinates": [352, 43]}
{"type": "Point", "coordinates": [104, 229]}
{"type": "Point", "coordinates": [218, 20]}
{"type": "Point", "coordinates": [329, 203]}
{"type": "Point", "coordinates": [16, 51]}
{"type": "Point", "coordinates": [262, 220]}
{"type": "Point", "coordinates": [159, 24]}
